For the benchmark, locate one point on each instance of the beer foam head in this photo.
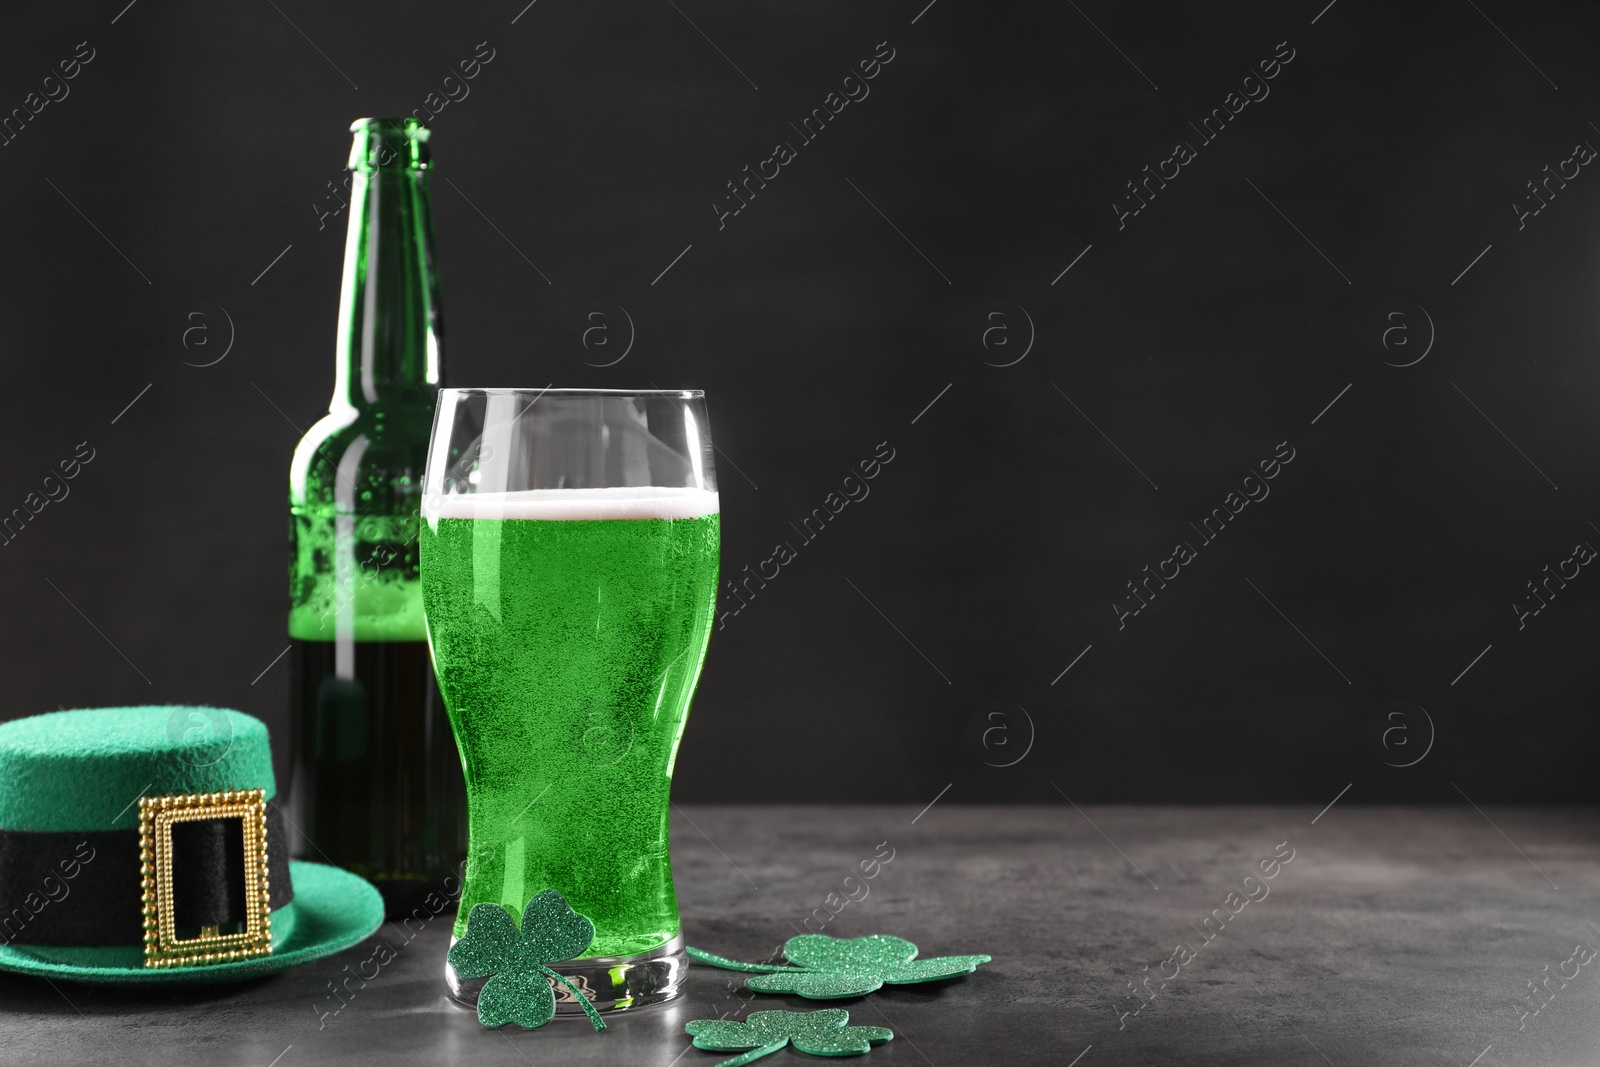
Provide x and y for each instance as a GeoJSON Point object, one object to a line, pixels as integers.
{"type": "Point", "coordinates": [635, 502]}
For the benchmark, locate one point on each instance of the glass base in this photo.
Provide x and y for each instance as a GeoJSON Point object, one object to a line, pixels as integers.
{"type": "Point", "coordinates": [612, 983]}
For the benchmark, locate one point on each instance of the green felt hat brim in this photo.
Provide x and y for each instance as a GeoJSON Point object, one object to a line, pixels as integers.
{"type": "Point", "coordinates": [333, 910]}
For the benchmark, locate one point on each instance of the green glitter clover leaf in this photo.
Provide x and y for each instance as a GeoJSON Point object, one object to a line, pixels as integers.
{"type": "Point", "coordinates": [830, 968]}
{"type": "Point", "coordinates": [518, 990]}
{"type": "Point", "coordinates": [821, 1033]}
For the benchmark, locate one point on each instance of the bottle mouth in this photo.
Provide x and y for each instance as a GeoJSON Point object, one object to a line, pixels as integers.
{"type": "Point", "coordinates": [389, 144]}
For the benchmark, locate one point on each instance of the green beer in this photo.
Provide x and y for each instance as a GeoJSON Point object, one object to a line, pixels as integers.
{"type": "Point", "coordinates": [568, 627]}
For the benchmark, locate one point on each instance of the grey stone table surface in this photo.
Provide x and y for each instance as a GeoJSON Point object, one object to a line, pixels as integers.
{"type": "Point", "coordinates": [1396, 936]}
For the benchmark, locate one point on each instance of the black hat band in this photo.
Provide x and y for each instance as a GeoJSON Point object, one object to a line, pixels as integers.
{"type": "Point", "coordinates": [81, 888]}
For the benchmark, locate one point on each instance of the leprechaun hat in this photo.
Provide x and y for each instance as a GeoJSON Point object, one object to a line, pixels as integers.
{"type": "Point", "coordinates": [141, 844]}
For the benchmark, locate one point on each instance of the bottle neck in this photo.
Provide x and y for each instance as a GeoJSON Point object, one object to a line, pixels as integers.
{"type": "Point", "coordinates": [388, 342]}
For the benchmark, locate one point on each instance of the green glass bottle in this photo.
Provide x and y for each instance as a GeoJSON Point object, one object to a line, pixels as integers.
{"type": "Point", "coordinates": [376, 783]}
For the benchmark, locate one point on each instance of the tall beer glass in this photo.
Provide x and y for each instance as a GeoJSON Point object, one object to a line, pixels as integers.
{"type": "Point", "coordinates": [569, 573]}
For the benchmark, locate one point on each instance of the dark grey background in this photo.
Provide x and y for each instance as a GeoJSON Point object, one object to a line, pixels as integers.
{"type": "Point", "coordinates": [991, 550]}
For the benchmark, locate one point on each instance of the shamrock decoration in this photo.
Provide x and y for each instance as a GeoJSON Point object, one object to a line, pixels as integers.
{"type": "Point", "coordinates": [821, 1033]}
{"type": "Point", "coordinates": [829, 968]}
{"type": "Point", "coordinates": [519, 989]}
